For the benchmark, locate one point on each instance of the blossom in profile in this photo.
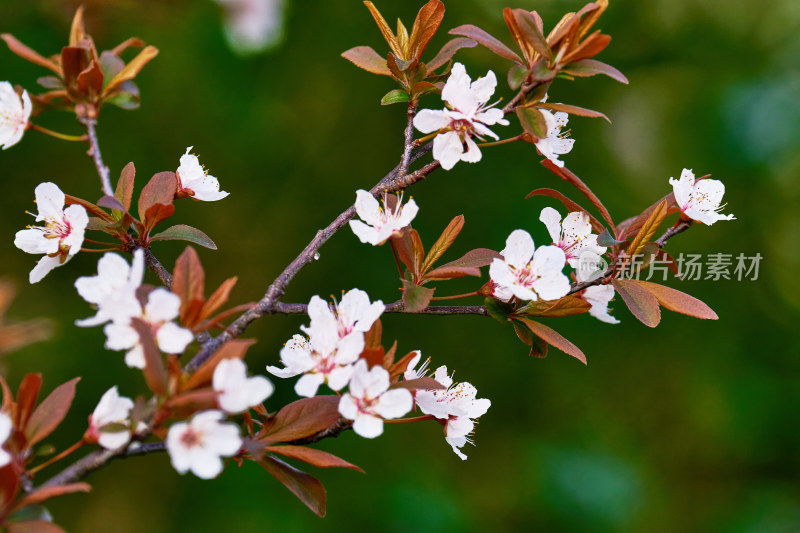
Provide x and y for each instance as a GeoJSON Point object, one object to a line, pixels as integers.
{"type": "Point", "coordinates": [109, 423]}
{"type": "Point", "coordinates": [527, 272]}
{"type": "Point", "coordinates": [599, 296]}
{"type": "Point", "coordinates": [194, 180]}
{"type": "Point", "coordinates": [368, 401]}
{"type": "Point", "coordinates": [380, 221]}
{"type": "Point", "coordinates": [61, 236]}
{"type": "Point", "coordinates": [6, 429]}
{"type": "Point", "coordinates": [237, 392]}
{"type": "Point", "coordinates": [354, 314]}
{"type": "Point", "coordinates": [467, 116]}
{"type": "Point", "coordinates": [556, 143]}
{"type": "Point", "coordinates": [15, 110]}
{"type": "Point", "coordinates": [200, 444]}
{"type": "Point", "coordinates": [161, 309]}
{"type": "Point", "coordinates": [699, 200]}
{"type": "Point", "coordinates": [457, 406]}
{"type": "Point", "coordinates": [113, 289]}
{"type": "Point", "coordinates": [573, 235]}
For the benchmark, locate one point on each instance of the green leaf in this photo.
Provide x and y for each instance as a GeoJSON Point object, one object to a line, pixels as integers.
{"type": "Point", "coordinates": [532, 121]}
{"type": "Point", "coordinates": [606, 239]}
{"type": "Point", "coordinates": [394, 97]}
{"type": "Point", "coordinates": [182, 232]}
{"type": "Point", "coordinates": [498, 310]}
{"type": "Point", "coordinates": [516, 76]}
{"type": "Point", "coordinates": [416, 297]}
{"type": "Point", "coordinates": [641, 302]}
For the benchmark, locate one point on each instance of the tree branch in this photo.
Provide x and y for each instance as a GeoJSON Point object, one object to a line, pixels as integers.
{"type": "Point", "coordinates": [97, 157]}
{"type": "Point", "coordinates": [98, 458]}
{"type": "Point", "coordinates": [396, 307]}
{"type": "Point", "coordinates": [157, 268]}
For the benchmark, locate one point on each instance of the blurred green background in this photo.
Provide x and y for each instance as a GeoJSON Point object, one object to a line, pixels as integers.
{"type": "Point", "coordinates": [692, 426]}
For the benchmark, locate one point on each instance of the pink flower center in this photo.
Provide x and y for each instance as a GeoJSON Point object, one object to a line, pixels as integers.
{"type": "Point", "coordinates": [190, 438]}
{"type": "Point", "coordinates": [525, 277]}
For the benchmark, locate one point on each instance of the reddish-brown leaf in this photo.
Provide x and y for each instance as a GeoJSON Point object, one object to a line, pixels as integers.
{"type": "Point", "coordinates": [678, 301]}
{"type": "Point", "coordinates": [538, 347]}
{"type": "Point", "coordinates": [90, 81]}
{"type": "Point", "coordinates": [90, 207]}
{"type": "Point", "coordinates": [590, 47]}
{"type": "Point", "coordinates": [424, 383]}
{"type": "Point", "coordinates": [566, 306]}
{"type": "Point", "coordinates": [131, 69]}
{"type": "Point", "coordinates": [368, 59]}
{"type": "Point", "coordinates": [405, 249]}
{"type": "Point", "coordinates": [372, 338]}
{"type": "Point", "coordinates": [33, 526]}
{"type": "Point", "coordinates": [44, 494]}
{"type": "Point", "coordinates": [552, 337]}
{"type": "Point", "coordinates": [569, 204]}
{"type": "Point", "coordinates": [444, 242]}
{"type": "Point", "coordinates": [479, 257]}
{"type": "Point", "coordinates": [156, 214]}
{"type": "Point", "coordinates": [574, 110]}
{"type": "Point", "coordinates": [448, 51]}
{"type": "Point", "coordinates": [525, 30]}
{"type": "Point", "coordinates": [445, 272]}
{"type": "Point", "coordinates": [155, 373]}
{"type": "Point", "coordinates": [28, 54]}
{"type": "Point", "coordinates": [159, 190]}
{"type": "Point", "coordinates": [425, 26]}
{"type": "Point", "coordinates": [386, 31]}
{"type": "Point", "coordinates": [630, 226]}
{"type": "Point", "coordinates": [301, 419]}
{"type": "Point", "coordinates": [49, 414]}
{"type": "Point", "coordinates": [196, 399]}
{"type": "Point", "coordinates": [188, 280]}
{"type": "Point", "coordinates": [124, 191]}
{"type": "Point", "coordinates": [490, 42]}
{"type": "Point", "coordinates": [641, 302]}
{"type": "Point", "coordinates": [233, 349]}
{"type": "Point", "coordinates": [218, 298]}
{"type": "Point", "coordinates": [27, 394]}
{"type": "Point", "coordinates": [565, 174]}
{"type": "Point", "coordinates": [307, 488]}
{"type": "Point", "coordinates": [591, 67]}
{"type": "Point", "coordinates": [312, 456]}
{"type": "Point", "coordinates": [397, 369]}
{"type": "Point", "coordinates": [649, 227]}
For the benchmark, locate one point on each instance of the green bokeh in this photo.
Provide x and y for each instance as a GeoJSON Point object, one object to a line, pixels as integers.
{"type": "Point", "coordinates": [692, 426]}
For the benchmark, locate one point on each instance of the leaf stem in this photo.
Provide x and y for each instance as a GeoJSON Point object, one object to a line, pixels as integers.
{"type": "Point", "coordinates": [502, 141]}
{"type": "Point", "coordinates": [57, 135]}
{"type": "Point", "coordinates": [456, 296]}
{"type": "Point", "coordinates": [57, 457]}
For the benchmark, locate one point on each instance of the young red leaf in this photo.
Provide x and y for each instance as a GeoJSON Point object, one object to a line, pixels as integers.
{"type": "Point", "coordinates": [233, 349]}
{"type": "Point", "coordinates": [425, 26]}
{"type": "Point", "coordinates": [386, 31]}
{"type": "Point", "coordinates": [27, 394]}
{"type": "Point", "coordinates": [124, 190]}
{"type": "Point", "coordinates": [445, 272]}
{"type": "Point", "coordinates": [444, 242]}
{"type": "Point", "coordinates": [301, 419]}
{"type": "Point", "coordinates": [425, 383]}
{"type": "Point", "coordinates": [525, 30]}
{"type": "Point", "coordinates": [90, 81]}
{"type": "Point", "coordinates": [368, 59]}
{"type": "Point", "coordinates": [479, 257]}
{"type": "Point", "coordinates": [565, 174]}
{"type": "Point", "coordinates": [188, 280]}
{"type": "Point", "coordinates": [490, 42]}
{"type": "Point", "coordinates": [678, 301]}
{"type": "Point", "coordinates": [553, 338]}
{"type": "Point", "coordinates": [592, 67]}
{"type": "Point", "coordinates": [28, 54]}
{"type": "Point", "coordinates": [649, 227]}
{"type": "Point", "coordinates": [569, 204]}
{"type": "Point", "coordinates": [110, 202]}
{"type": "Point", "coordinates": [312, 456]}
{"type": "Point", "coordinates": [307, 488]}
{"type": "Point", "coordinates": [574, 110]}
{"type": "Point", "coordinates": [630, 226]}
{"type": "Point", "coordinates": [405, 249]}
{"type": "Point", "coordinates": [398, 368]}
{"type": "Point", "coordinates": [448, 51]}
{"type": "Point", "coordinates": [566, 306]}
{"type": "Point", "coordinates": [46, 418]}
{"type": "Point", "coordinates": [45, 493]}
{"type": "Point", "coordinates": [590, 47]}
{"type": "Point", "coordinates": [131, 69]}
{"type": "Point", "coordinates": [159, 190]}
{"type": "Point", "coordinates": [155, 374]}
{"type": "Point", "coordinates": [641, 302]}
{"type": "Point", "coordinates": [415, 297]}
{"type": "Point", "coordinates": [156, 214]}
{"type": "Point", "coordinates": [218, 298]}
{"type": "Point", "coordinates": [182, 232]}
{"type": "Point", "coordinates": [90, 207]}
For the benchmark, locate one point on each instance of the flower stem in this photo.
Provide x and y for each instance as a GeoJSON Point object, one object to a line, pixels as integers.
{"type": "Point", "coordinates": [99, 250]}
{"type": "Point", "coordinates": [62, 136]}
{"type": "Point", "coordinates": [465, 295]}
{"type": "Point", "coordinates": [423, 140]}
{"type": "Point", "coordinates": [408, 420]}
{"type": "Point", "coordinates": [396, 258]}
{"type": "Point", "coordinates": [57, 457]}
{"type": "Point", "coordinates": [503, 141]}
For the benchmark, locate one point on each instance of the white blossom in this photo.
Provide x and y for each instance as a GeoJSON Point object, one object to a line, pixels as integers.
{"type": "Point", "coordinates": [161, 308]}
{"type": "Point", "coordinates": [61, 236]}
{"type": "Point", "coordinates": [380, 223]}
{"type": "Point", "coordinates": [369, 401]}
{"type": "Point", "coordinates": [14, 114]}
{"type": "Point", "coordinates": [527, 272]}
{"type": "Point", "coordinates": [199, 444]}
{"type": "Point", "coordinates": [573, 235]}
{"type": "Point", "coordinates": [555, 143]}
{"type": "Point", "coordinates": [113, 289]}
{"type": "Point", "coordinates": [195, 181]}
{"type": "Point", "coordinates": [111, 409]}
{"type": "Point", "coordinates": [457, 406]}
{"type": "Point", "coordinates": [699, 200]}
{"type": "Point", "coordinates": [353, 315]}
{"type": "Point", "coordinates": [468, 116]}
{"type": "Point", "coordinates": [237, 392]}
{"type": "Point", "coordinates": [6, 429]}
{"type": "Point", "coordinates": [599, 296]}
{"type": "Point", "coordinates": [253, 25]}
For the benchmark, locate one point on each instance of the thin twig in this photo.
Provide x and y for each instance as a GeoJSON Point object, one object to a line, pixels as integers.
{"type": "Point", "coordinates": [408, 144]}
{"type": "Point", "coordinates": [680, 227]}
{"type": "Point", "coordinates": [97, 157]}
{"type": "Point", "coordinates": [97, 459]}
{"type": "Point", "coordinates": [156, 267]}
{"type": "Point", "coordinates": [281, 308]}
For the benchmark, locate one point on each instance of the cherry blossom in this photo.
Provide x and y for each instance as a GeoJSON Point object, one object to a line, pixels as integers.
{"type": "Point", "coordinates": [194, 180]}
{"type": "Point", "coordinates": [237, 392]}
{"type": "Point", "coordinates": [322, 358]}
{"type": "Point", "coordinates": [573, 235]}
{"type": "Point", "coordinates": [199, 444]}
{"type": "Point", "coordinates": [253, 25]}
{"type": "Point", "coordinates": [353, 315]}
{"type": "Point", "coordinates": [61, 236]}
{"type": "Point", "coordinates": [555, 143]}
{"type": "Point", "coordinates": [15, 110]}
{"type": "Point", "coordinates": [467, 116]}
{"type": "Point", "coordinates": [699, 200]}
{"type": "Point", "coordinates": [111, 409]}
{"type": "Point", "coordinates": [369, 401]}
{"type": "Point", "coordinates": [113, 289]}
{"type": "Point", "coordinates": [457, 405]}
{"type": "Point", "coordinates": [527, 272]}
{"type": "Point", "coordinates": [599, 296]}
{"type": "Point", "coordinates": [380, 222]}
{"type": "Point", "coordinates": [161, 308]}
{"type": "Point", "coordinates": [6, 429]}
